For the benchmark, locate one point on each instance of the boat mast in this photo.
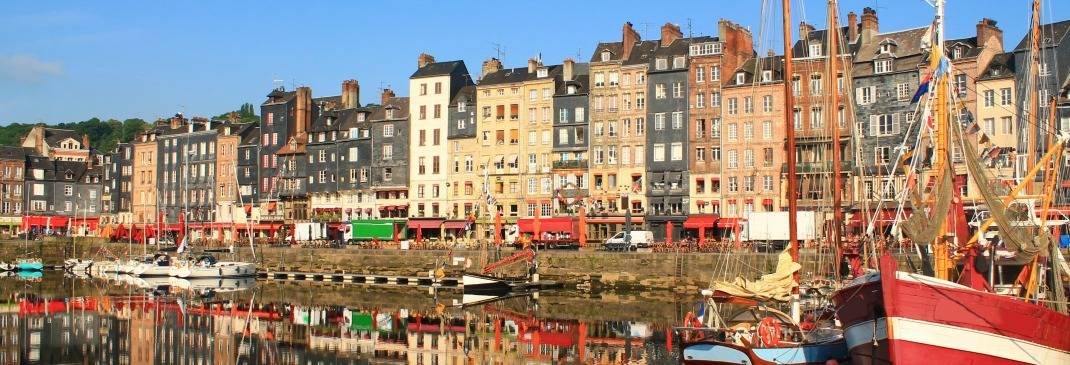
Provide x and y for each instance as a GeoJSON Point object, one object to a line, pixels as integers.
{"type": "Point", "coordinates": [789, 135]}
{"type": "Point", "coordinates": [1031, 91]}
{"type": "Point", "coordinates": [941, 257]}
{"type": "Point", "coordinates": [837, 180]}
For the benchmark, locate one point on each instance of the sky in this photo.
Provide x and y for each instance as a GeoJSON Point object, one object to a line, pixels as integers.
{"type": "Point", "coordinates": [64, 61]}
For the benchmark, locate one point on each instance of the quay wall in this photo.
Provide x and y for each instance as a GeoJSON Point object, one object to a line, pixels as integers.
{"type": "Point", "coordinates": [594, 270]}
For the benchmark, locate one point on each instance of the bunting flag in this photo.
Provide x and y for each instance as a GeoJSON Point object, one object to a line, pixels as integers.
{"type": "Point", "coordinates": [923, 88]}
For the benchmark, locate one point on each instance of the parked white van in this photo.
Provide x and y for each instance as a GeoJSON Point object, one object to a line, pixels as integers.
{"type": "Point", "coordinates": [630, 241]}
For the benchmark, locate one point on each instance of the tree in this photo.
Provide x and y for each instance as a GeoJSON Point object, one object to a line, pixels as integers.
{"type": "Point", "coordinates": [246, 113]}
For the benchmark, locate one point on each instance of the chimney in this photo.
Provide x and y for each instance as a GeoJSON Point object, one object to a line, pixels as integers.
{"type": "Point", "coordinates": [304, 110]}
{"type": "Point", "coordinates": [670, 33]}
{"type": "Point", "coordinates": [566, 69]}
{"type": "Point", "coordinates": [738, 43]}
{"type": "Point", "coordinates": [85, 141]}
{"type": "Point", "coordinates": [424, 60]}
{"type": "Point", "coordinates": [350, 94]}
{"type": "Point", "coordinates": [208, 124]}
{"type": "Point", "coordinates": [628, 40]}
{"type": "Point", "coordinates": [852, 26]}
{"type": "Point", "coordinates": [987, 31]}
{"type": "Point", "coordinates": [387, 95]}
{"type": "Point", "coordinates": [532, 64]}
{"type": "Point", "coordinates": [491, 65]}
{"type": "Point", "coordinates": [805, 29]}
{"type": "Point", "coordinates": [869, 24]}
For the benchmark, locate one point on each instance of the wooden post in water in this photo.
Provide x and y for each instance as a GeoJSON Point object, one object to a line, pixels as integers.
{"type": "Point", "coordinates": [789, 136]}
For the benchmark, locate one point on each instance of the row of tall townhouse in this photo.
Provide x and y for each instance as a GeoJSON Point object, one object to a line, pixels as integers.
{"type": "Point", "coordinates": [676, 132]}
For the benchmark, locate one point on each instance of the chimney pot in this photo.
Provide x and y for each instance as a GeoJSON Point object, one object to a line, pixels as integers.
{"type": "Point", "coordinates": [386, 96]}
{"type": "Point", "coordinates": [532, 64]}
{"type": "Point", "coordinates": [986, 28]}
{"type": "Point", "coordinates": [805, 29]}
{"type": "Point", "coordinates": [566, 69]}
{"type": "Point", "coordinates": [869, 24]}
{"type": "Point", "coordinates": [491, 65]}
{"type": "Point", "coordinates": [629, 38]}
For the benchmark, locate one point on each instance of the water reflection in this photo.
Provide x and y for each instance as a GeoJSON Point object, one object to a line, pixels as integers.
{"type": "Point", "coordinates": [56, 320]}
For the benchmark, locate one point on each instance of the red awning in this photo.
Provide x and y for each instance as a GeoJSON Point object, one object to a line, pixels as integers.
{"type": "Point", "coordinates": [545, 224]}
{"type": "Point", "coordinates": [767, 201]}
{"type": "Point", "coordinates": [454, 224]}
{"type": "Point", "coordinates": [748, 201]}
{"type": "Point", "coordinates": [700, 202]}
{"type": "Point", "coordinates": [729, 222]}
{"type": "Point", "coordinates": [700, 221]}
{"type": "Point", "coordinates": [388, 207]}
{"type": "Point", "coordinates": [425, 223]}
{"type": "Point", "coordinates": [715, 202]}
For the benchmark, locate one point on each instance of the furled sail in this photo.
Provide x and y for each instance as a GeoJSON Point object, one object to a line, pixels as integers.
{"type": "Point", "coordinates": [775, 286]}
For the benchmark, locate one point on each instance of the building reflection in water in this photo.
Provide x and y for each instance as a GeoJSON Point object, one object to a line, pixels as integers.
{"type": "Point", "coordinates": [149, 330]}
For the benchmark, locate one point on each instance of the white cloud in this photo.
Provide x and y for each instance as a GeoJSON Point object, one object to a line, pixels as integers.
{"type": "Point", "coordinates": [22, 67]}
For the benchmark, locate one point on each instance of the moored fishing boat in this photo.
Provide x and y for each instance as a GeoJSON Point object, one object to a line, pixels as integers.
{"type": "Point", "coordinates": [29, 265]}
{"type": "Point", "coordinates": [208, 267]}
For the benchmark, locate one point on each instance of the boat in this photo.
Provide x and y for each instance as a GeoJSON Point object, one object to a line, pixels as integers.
{"type": "Point", "coordinates": [217, 285]}
{"type": "Point", "coordinates": [6, 267]}
{"type": "Point", "coordinates": [29, 265]}
{"type": "Point", "coordinates": [155, 265]}
{"type": "Point", "coordinates": [896, 317]}
{"type": "Point", "coordinates": [207, 266]}
{"type": "Point", "coordinates": [485, 284]}
{"type": "Point", "coordinates": [77, 265]}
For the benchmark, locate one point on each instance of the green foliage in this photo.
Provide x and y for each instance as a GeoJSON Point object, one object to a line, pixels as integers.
{"type": "Point", "coordinates": [245, 114]}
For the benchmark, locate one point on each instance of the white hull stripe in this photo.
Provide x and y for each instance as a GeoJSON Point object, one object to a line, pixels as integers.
{"type": "Point", "coordinates": [469, 280]}
{"type": "Point", "coordinates": [956, 338]}
{"type": "Point", "coordinates": [930, 281]}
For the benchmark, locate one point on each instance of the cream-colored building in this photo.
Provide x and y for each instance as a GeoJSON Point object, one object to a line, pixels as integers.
{"type": "Point", "coordinates": [995, 115]}
{"type": "Point", "coordinates": [431, 89]}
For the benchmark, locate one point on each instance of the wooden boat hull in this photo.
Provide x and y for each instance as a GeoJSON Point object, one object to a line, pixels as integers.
{"type": "Point", "coordinates": [895, 317]}
{"type": "Point", "coordinates": [720, 353]}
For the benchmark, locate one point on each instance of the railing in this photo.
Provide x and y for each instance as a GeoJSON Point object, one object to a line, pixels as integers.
{"type": "Point", "coordinates": [570, 164]}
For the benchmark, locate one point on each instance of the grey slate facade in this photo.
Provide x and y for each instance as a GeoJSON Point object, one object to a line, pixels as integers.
{"type": "Point", "coordinates": [63, 188]}
{"type": "Point", "coordinates": [389, 173]}
{"type": "Point", "coordinates": [572, 118]}
{"type": "Point", "coordinates": [186, 172]}
{"type": "Point", "coordinates": [667, 138]}
{"type": "Point", "coordinates": [248, 169]}
{"type": "Point", "coordinates": [462, 114]}
{"type": "Point", "coordinates": [120, 178]}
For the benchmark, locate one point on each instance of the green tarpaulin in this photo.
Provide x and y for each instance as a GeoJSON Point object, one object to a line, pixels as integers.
{"type": "Point", "coordinates": [367, 229]}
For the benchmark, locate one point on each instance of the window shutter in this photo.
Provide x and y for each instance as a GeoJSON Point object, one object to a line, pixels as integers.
{"type": "Point", "coordinates": [874, 128]}
{"type": "Point", "coordinates": [895, 123]}
{"type": "Point", "coordinates": [858, 96]}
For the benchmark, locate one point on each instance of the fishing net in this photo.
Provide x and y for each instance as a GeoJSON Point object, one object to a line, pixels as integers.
{"type": "Point", "coordinates": [922, 227]}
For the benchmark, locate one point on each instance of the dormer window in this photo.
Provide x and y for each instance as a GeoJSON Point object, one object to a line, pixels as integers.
{"type": "Point", "coordinates": [461, 106]}
{"type": "Point", "coordinates": [882, 66]}
{"type": "Point", "coordinates": [68, 175]}
{"type": "Point", "coordinates": [956, 53]}
{"type": "Point", "coordinates": [678, 62]}
{"type": "Point", "coordinates": [605, 56]}
{"type": "Point", "coordinates": [887, 47]}
{"type": "Point", "coordinates": [360, 117]}
{"type": "Point", "coordinates": [571, 89]}
{"type": "Point", "coordinates": [541, 73]}
{"type": "Point", "coordinates": [329, 120]}
{"type": "Point", "coordinates": [815, 49]}
{"type": "Point", "coordinates": [740, 78]}
{"type": "Point", "coordinates": [767, 76]}
{"type": "Point", "coordinates": [389, 113]}
{"type": "Point", "coordinates": [661, 63]}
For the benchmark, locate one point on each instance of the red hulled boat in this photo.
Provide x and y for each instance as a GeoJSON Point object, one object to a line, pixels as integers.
{"type": "Point", "coordinates": [894, 317]}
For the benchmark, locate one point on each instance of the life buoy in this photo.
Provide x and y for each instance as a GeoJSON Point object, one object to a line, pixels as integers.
{"type": "Point", "coordinates": [769, 331]}
{"type": "Point", "coordinates": [690, 320]}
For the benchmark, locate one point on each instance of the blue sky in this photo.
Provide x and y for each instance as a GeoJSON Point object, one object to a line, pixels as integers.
{"type": "Point", "coordinates": [69, 61]}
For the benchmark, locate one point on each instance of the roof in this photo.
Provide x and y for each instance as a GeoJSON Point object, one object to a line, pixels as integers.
{"type": "Point", "coordinates": [641, 52]}
{"type": "Point", "coordinates": [1053, 35]}
{"type": "Point", "coordinates": [802, 46]}
{"type": "Point", "coordinates": [516, 75]}
{"type": "Point", "coordinates": [55, 135]}
{"type": "Point", "coordinates": [400, 104]}
{"type": "Point", "coordinates": [77, 168]}
{"type": "Point", "coordinates": [581, 78]}
{"type": "Point", "coordinates": [466, 93]}
{"type": "Point", "coordinates": [279, 95]}
{"type": "Point", "coordinates": [438, 69]}
{"type": "Point", "coordinates": [350, 117]}
{"type": "Point", "coordinates": [968, 46]}
{"type": "Point", "coordinates": [753, 66]}
{"type": "Point", "coordinates": [15, 153]}
{"type": "Point", "coordinates": [907, 43]}
{"type": "Point", "coordinates": [678, 47]}
{"type": "Point", "coordinates": [1000, 67]}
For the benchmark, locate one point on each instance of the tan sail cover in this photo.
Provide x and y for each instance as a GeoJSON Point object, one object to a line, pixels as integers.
{"type": "Point", "coordinates": [776, 286]}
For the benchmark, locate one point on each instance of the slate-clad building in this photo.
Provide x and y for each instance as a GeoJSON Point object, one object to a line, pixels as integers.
{"type": "Point", "coordinates": [187, 171]}
{"type": "Point", "coordinates": [388, 137]}
{"type": "Point", "coordinates": [121, 182]}
{"type": "Point", "coordinates": [571, 141]}
{"type": "Point", "coordinates": [667, 139]}
{"type": "Point", "coordinates": [463, 184]}
{"type": "Point", "coordinates": [62, 188]}
{"type": "Point", "coordinates": [248, 168]}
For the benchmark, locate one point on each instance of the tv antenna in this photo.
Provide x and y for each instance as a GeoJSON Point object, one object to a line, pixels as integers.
{"type": "Point", "coordinates": [499, 51]}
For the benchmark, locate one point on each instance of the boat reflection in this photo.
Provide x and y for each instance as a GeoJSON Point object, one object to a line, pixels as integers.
{"type": "Point", "coordinates": [240, 328]}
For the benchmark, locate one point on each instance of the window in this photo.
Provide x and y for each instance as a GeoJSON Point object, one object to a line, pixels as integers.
{"type": "Point", "coordinates": [733, 186]}
{"type": "Point", "coordinates": [579, 114]}
{"type": "Point", "coordinates": [1008, 125]}
{"type": "Point", "coordinates": [1005, 96]}
{"type": "Point", "coordinates": [388, 152]}
{"type": "Point", "coordinates": [700, 74]}
{"type": "Point", "coordinates": [678, 62]}
{"type": "Point", "coordinates": [748, 158]}
{"type": "Point", "coordinates": [715, 99]}
{"type": "Point", "coordinates": [733, 159]}
{"type": "Point", "coordinates": [865, 95]}
{"type": "Point", "coordinates": [815, 49]}
{"type": "Point", "coordinates": [748, 130]}
{"type": "Point", "coordinates": [881, 155]}
{"type": "Point", "coordinates": [715, 153]}
{"type": "Point", "coordinates": [605, 56]}
{"type": "Point", "coordinates": [677, 151]}
{"type": "Point", "coordinates": [677, 90]}
{"type": "Point", "coordinates": [640, 127]}
{"type": "Point", "coordinates": [815, 84]}
{"type": "Point", "coordinates": [733, 132]}
{"type": "Point", "coordinates": [1043, 70]}
{"type": "Point", "coordinates": [990, 126]}
{"type": "Point", "coordinates": [989, 98]}
{"type": "Point", "coordinates": [715, 73]}
{"type": "Point", "coordinates": [68, 190]}
{"type": "Point", "coordinates": [767, 157]}
{"type": "Point", "coordinates": [659, 122]}
{"type": "Point", "coordinates": [659, 91]}
{"type": "Point", "coordinates": [700, 154]}
{"type": "Point", "coordinates": [767, 76]}
{"type": "Point", "coordinates": [659, 152]}
{"type": "Point", "coordinates": [767, 130]}
{"type": "Point", "coordinates": [640, 100]}
{"type": "Point", "coordinates": [614, 79]}
{"type": "Point", "coordinates": [732, 107]}
{"type": "Point", "coordinates": [677, 120]}
{"type": "Point", "coordinates": [612, 155]}
{"type": "Point", "coordinates": [795, 85]}
{"type": "Point", "coordinates": [883, 125]}
{"type": "Point", "coordinates": [960, 84]}
{"type": "Point", "coordinates": [748, 104]}
{"type": "Point", "coordinates": [740, 78]}
{"type": "Point", "coordinates": [700, 100]}
{"type": "Point", "coordinates": [661, 63]}
{"type": "Point", "coordinates": [817, 118]}
{"type": "Point", "coordinates": [882, 66]}
{"type": "Point", "coordinates": [767, 103]}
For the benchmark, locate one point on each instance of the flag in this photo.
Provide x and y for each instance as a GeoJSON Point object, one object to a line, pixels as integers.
{"type": "Point", "coordinates": [923, 88]}
{"type": "Point", "coordinates": [927, 39]}
{"type": "Point", "coordinates": [182, 245]}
